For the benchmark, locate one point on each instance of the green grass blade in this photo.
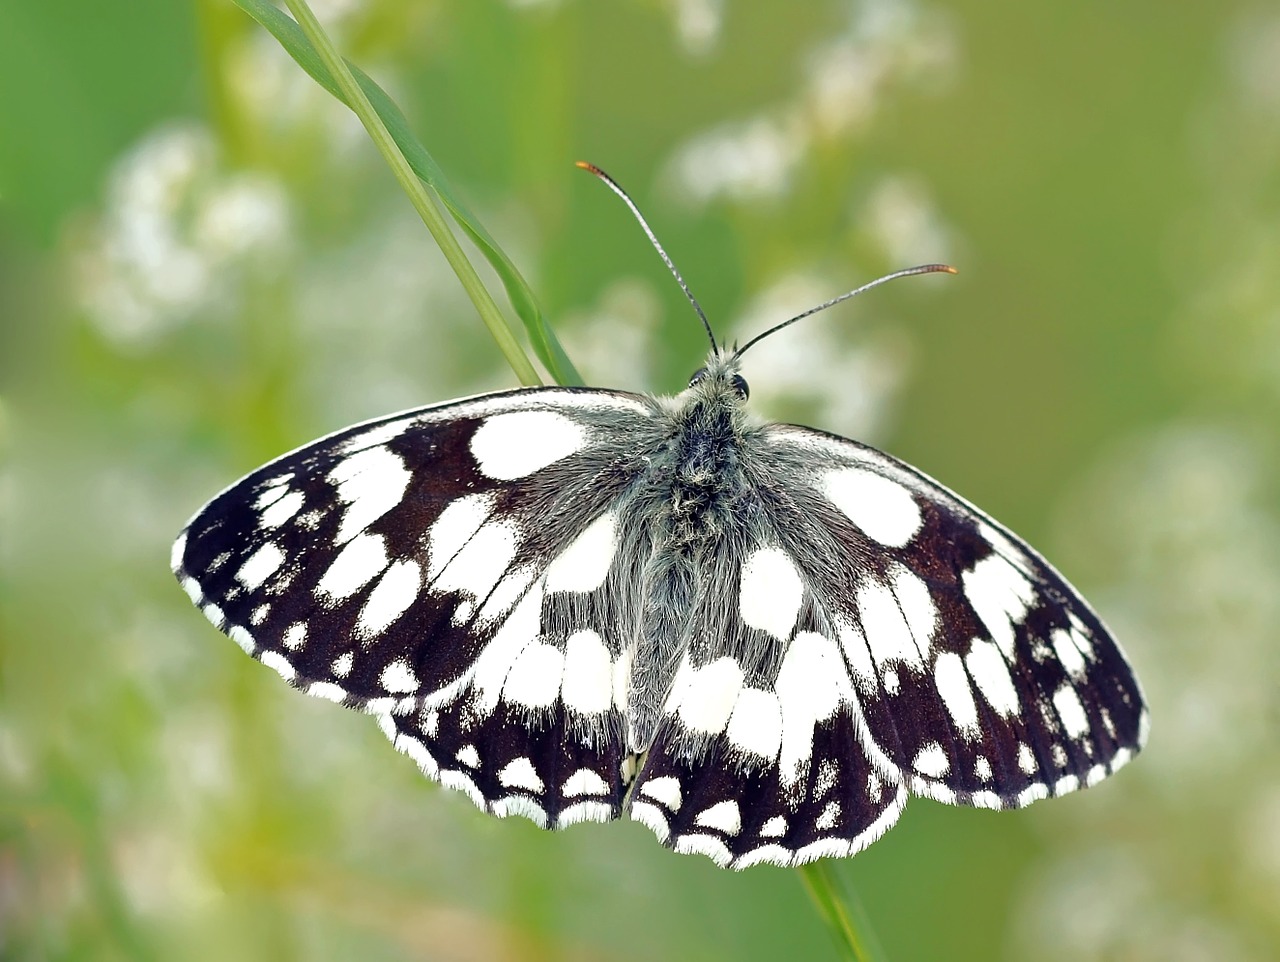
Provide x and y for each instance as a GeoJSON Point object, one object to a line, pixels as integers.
{"type": "Point", "coordinates": [295, 42]}
{"type": "Point", "coordinates": [843, 913]}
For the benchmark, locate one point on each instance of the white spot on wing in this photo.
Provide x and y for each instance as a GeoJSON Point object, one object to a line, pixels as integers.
{"type": "Point", "coordinates": [398, 677]}
{"type": "Point", "coordinates": [583, 565]}
{"type": "Point", "coordinates": [364, 557]}
{"type": "Point", "coordinates": [774, 827]}
{"type": "Point", "coordinates": [588, 673]}
{"type": "Point", "coordinates": [273, 492]}
{"type": "Point", "coordinates": [295, 636]}
{"type": "Point", "coordinates": [830, 815]}
{"type": "Point", "coordinates": [273, 659]}
{"type": "Point", "coordinates": [953, 685]}
{"type": "Point", "coordinates": [375, 436]}
{"type": "Point", "coordinates": [665, 790]}
{"type": "Point", "coordinates": [215, 615]}
{"type": "Point", "coordinates": [917, 607]}
{"type": "Point", "coordinates": [1064, 646]}
{"type": "Point", "coordinates": [391, 597]}
{"type": "Point", "coordinates": [722, 816]}
{"type": "Point", "coordinates": [518, 443]}
{"type": "Point", "coordinates": [520, 773]}
{"type": "Point", "coordinates": [828, 775]}
{"type": "Point", "coordinates": [858, 656]}
{"type": "Point", "coordinates": [534, 679]}
{"type": "Point", "coordinates": [506, 593]}
{"type": "Point", "coordinates": [707, 845]}
{"type": "Point", "coordinates": [521, 805]}
{"type": "Point", "coordinates": [584, 782]}
{"type": "Point", "coordinates": [328, 691]}
{"type": "Point", "coordinates": [812, 683]}
{"type": "Point", "coordinates": [770, 592]}
{"type": "Point", "coordinates": [282, 510]}
{"type": "Point", "coordinates": [756, 723]}
{"type": "Point", "coordinates": [457, 523]}
{"type": "Point", "coordinates": [1074, 720]}
{"type": "Point", "coordinates": [1026, 759]}
{"type": "Point", "coordinates": [708, 694]}
{"type": "Point", "coordinates": [931, 760]}
{"type": "Point", "coordinates": [765, 855]}
{"type": "Point", "coordinates": [652, 817]}
{"type": "Point", "coordinates": [370, 483]}
{"type": "Point", "coordinates": [891, 681]}
{"type": "Point", "coordinates": [1000, 594]}
{"type": "Point", "coordinates": [468, 755]}
{"type": "Point", "coordinates": [991, 674]}
{"type": "Point", "coordinates": [884, 510]}
{"type": "Point", "coordinates": [341, 666]}
{"type": "Point", "coordinates": [585, 812]}
{"type": "Point", "coordinates": [1032, 793]}
{"type": "Point", "coordinates": [241, 637]}
{"type": "Point", "coordinates": [886, 629]}
{"type": "Point", "coordinates": [480, 564]}
{"type": "Point", "coordinates": [177, 552]}
{"type": "Point", "coordinates": [260, 566]}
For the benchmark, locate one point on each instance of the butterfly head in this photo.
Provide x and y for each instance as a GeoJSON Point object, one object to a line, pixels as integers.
{"type": "Point", "coordinates": [719, 381]}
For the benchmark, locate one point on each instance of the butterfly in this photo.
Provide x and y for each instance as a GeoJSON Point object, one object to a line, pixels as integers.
{"type": "Point", "coordinates": [755, 638]}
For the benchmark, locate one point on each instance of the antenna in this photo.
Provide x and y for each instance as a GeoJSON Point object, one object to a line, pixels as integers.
{"type": "Point", "coordinates": [613, 186]}
{"type": "Point", "coordinates": [907, 272]}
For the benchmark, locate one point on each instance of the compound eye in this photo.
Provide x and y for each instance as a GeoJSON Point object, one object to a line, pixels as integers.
{"type": "Point", "coordinates": [698, 375]}
{"type": "Point", "coordinates": [740, 385]}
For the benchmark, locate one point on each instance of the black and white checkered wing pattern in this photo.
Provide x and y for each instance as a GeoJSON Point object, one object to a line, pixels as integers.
{"type": "Point", "coordinates": [759, 758]}
{"type": "Point", "coordinates": [408, 567]}
{"type": "Point", "coordinates": [982, 677]}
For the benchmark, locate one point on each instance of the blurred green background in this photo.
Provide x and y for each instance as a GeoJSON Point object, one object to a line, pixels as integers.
{"type": "Point", "coordinates": [203, 262]}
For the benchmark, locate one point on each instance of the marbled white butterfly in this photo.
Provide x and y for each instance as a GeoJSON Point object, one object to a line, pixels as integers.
{"type": "Point", "coordinates": [755, 638]}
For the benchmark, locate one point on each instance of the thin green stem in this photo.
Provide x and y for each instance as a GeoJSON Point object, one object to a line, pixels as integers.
{"type": "Point", "coordinates": [843, 913]}
{"type": "Point", "coordinates": [423, 202]}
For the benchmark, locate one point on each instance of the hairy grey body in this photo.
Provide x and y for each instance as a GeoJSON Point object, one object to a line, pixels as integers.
{"type": "Point", "coordinates": [699, 505]}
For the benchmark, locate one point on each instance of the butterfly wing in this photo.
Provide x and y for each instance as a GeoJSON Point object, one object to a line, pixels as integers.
{"type": "Point", "coordinates": [407, 567]}
{"type": "Point", "coordinates": [863, 631]}
{"type": "Point", "coordinates": [982, 677]}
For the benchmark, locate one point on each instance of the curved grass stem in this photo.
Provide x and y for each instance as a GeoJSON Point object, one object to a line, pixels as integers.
{"type": "Point", "coordinates": [842, 911]}
{"type": "Point", "coordinates": [423, 202]}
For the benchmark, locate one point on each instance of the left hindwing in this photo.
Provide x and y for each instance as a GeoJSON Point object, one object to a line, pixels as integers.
{"type": "Point", "coordinates": [444, 569]}
{"type": "Point", "coordinates": [983, 677]}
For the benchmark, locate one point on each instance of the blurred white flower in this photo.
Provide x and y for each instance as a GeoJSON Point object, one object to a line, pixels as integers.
{"type": "Point", "coordinates": [749, 160]}
{"type": "Point", "coordinates": [900, 217]}
{"type": "Point", "coordinates": [847, 77]}
{"type": "Point", "coordinates": [885, 42]}
{"type": "Point", "coordinates": [698, 24]}
{"type": "Point", "coordinates": [175, 231]}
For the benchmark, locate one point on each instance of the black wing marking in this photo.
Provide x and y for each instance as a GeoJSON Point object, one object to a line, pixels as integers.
{"type": "Point", "coordinates": [405, 567]}
{"type": "Point", "coordinates": [759, 756]}
{"type": "Point", "coordinates": [742, 811]}
{"type": "Point", "coordinates": [983, 677]}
